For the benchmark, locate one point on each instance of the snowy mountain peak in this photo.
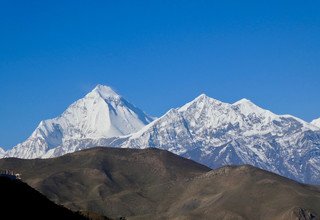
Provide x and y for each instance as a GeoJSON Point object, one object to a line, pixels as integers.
{"type": "Point", "coordinates": [316, 122]}
{"type": "Point", "coordinates": [201, 101]}
{"type": "Point", "coordinates": [204, 98]}
{"type": "Point", "coordinates": [105, 92]}
{"type": "Point", "coordinates": [243, 101]}
{"type": "Point", "coordinates": [101, 114]}
{"type": "Point", "coordinates": [246, 107]}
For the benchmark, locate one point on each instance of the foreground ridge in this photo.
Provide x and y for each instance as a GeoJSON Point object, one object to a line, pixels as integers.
{"type": "Point", "coordinates": [156, 184]}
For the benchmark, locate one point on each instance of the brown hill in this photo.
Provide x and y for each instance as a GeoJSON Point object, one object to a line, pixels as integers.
{"type": "Point", "coordinates": [156, 184]}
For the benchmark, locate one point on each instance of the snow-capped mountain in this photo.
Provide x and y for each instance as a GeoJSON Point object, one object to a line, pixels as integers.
{"type": "Point", "coordinates": [316, 122]}
{"type": "Point", "coordinates": [216, 133]}
{"type": "Point", "coordinates": [100, 116]}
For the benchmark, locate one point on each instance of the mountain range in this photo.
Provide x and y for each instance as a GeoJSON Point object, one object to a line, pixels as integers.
{"type": "Point", "coordinates": [205, 130]}
{"type": "Point", "coordinates": [156, 184]}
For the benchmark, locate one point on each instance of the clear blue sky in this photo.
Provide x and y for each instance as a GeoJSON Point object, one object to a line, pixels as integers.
{"type": "Point", "coordinates": [157, 54]}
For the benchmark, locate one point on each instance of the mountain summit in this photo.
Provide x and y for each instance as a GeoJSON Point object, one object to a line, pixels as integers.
{"type": "Point", "coordinates": [106, 92]}
{"type": "Point", "coordinates": [101, 114]}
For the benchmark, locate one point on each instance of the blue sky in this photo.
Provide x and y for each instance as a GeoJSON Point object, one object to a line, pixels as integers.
{"type": "Point", "coordinates": [157, 54]}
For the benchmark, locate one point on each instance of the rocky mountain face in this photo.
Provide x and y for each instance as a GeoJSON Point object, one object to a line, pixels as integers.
{"type": "Point", "coordinates": [157, 184]}
{"type": "Point", "coordinates": [206, 130]}
{"type": "Point", "coordinates": [101, 114]}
